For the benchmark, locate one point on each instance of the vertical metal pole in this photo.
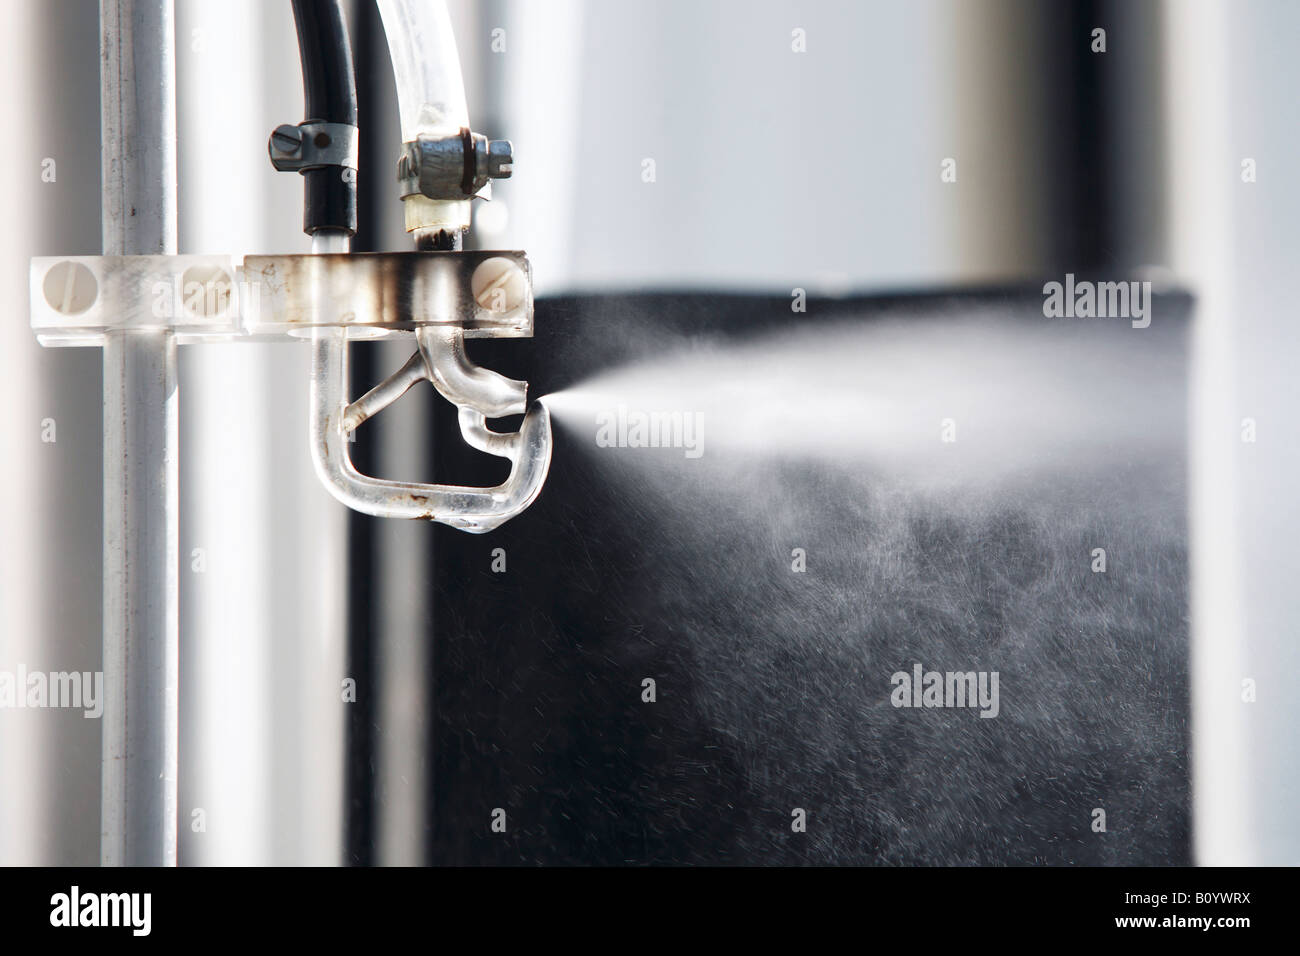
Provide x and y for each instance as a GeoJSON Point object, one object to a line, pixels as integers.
{"type": "Point", "coordinates": [141, 639]}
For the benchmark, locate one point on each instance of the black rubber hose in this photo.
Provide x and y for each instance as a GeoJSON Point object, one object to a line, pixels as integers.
{"type": "Point", "coordinates": [330, 94]}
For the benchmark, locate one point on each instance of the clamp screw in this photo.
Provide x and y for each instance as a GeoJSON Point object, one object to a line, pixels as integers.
{"type": "Point", "coordinates": [287, 140]}
{"type": "Point", "coordinates": [501, 159]}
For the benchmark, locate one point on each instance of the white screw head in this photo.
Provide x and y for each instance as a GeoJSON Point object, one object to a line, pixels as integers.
{"type": "Point", "coordinates": [206, 290]}
{"type": "Point", "coordinates": [499, 285]}
{"type": "Point", "coordinates": [70, 288]}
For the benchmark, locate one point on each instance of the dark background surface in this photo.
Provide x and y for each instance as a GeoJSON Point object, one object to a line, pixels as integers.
{"type": "Point", "coordinates": [773, 687]}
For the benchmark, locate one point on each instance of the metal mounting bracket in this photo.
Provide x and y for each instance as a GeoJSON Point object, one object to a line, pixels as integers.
{"type": "Point", "coordinates": [438, 298]}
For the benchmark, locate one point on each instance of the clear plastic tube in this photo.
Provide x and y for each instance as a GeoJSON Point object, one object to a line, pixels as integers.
{"type": "Point", "coordinates": [430, 94]}
{"type": "Point", "coordinates": [426, 66]}
{"type": "Point", "coordinates": [470, 509]}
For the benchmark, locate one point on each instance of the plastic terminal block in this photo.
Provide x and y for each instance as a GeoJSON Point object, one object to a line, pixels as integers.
{"type": "Point", "coordinates": [387, 292]}
{"type": "Point", "coordinates": [76, 299]}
